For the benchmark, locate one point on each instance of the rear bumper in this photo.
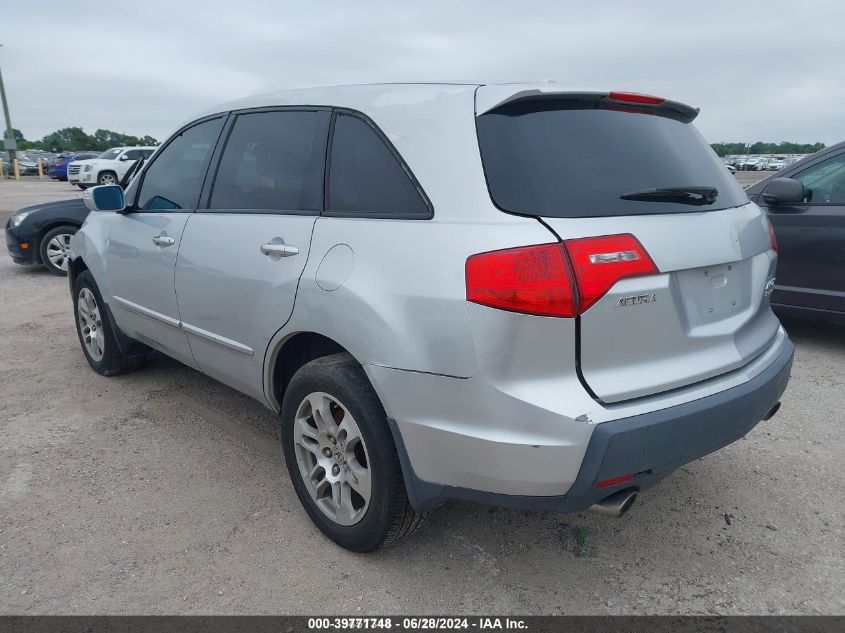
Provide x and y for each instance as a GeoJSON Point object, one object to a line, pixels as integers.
{"type": "Point", "coordinates": [647, 446]}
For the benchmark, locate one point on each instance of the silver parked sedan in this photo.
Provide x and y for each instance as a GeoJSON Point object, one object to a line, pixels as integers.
{"type": "Point", "coordinates": [510, 294]}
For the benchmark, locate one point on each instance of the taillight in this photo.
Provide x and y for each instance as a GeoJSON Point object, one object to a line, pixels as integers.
{"type": "Point", "coordinates": [530, 279]}
{"type": "Point", "coordinates": [772, 237]}
{"type": "Point", "coordinates": [634, 97]}
{"type": "Point", "coordinates": [599, 262]}
{"type": "Point", "coordinates": [536, 279]}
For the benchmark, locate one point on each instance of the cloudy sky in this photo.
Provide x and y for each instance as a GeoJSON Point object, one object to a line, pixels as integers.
{"type": "Point", "coordinates": [766, 71]}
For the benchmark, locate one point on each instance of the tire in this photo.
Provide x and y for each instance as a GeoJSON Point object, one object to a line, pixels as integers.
{"type": "Point", "coordinates": [103, 353]}
{"type": "Point", "coordinates": [55, 248]}
{"type": "Point", "coordinates": [107, 178]}
{"type": "Point", "coordinates": [387, 516]}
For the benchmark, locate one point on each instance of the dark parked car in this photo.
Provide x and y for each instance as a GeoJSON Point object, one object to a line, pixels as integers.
{"type": "Point", "coordinates": [806, 203]}
{"type": "Point", "coordinates": [40, 234]}
{"type": "Point", "coordinates": [58, 166]}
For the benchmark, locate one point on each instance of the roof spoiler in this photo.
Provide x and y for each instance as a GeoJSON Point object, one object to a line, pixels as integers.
{"type": "Point", "coordinates": [624, 101]}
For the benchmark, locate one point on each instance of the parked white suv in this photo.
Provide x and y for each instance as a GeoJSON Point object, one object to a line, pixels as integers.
{"type": "Point", "coordinates": [108, 168]}
{"type": "Point", "coordinates": [510, 294]}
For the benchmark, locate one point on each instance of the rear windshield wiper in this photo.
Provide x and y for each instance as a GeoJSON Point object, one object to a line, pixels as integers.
{"type": "Point", "coordinates": [681, 195]}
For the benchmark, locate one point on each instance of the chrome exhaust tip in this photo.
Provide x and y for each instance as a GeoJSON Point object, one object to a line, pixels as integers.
{"type": "Point", "coordinates": [616, 504]}
{"type": "Point", "coordinates": [772, 411]}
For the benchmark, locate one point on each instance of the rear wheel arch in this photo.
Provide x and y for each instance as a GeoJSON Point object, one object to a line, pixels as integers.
{"type": "Point", "coordinates": [383, 513]}
{"type": "Point", "coordinates": [294, 352]}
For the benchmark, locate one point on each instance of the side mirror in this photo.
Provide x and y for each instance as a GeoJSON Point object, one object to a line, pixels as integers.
{"type": "Point", "coordinates": [104, 198]}
{"type": "Point", "coordinates": [783, 192]}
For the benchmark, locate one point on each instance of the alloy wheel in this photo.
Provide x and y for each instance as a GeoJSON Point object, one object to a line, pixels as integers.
{"type": "Point", "coordinates": [108, 179]}
{"type": "Point", "coordinates": [332, 458]}
{"type": "Point", "coordinates": [58, 251]}
{"type": "Point", "coordinates": [90, 324]}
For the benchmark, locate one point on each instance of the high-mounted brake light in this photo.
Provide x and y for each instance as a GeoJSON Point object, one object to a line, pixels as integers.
{"type": "Point", "coordinates": [536, 279]}
{"type": "Point", "coordinates": [531, 279]}
{"type": "Point", "coordinates": [599, 262]}
{"type": "Point", "coordinates": [634, 97]}
{"type": "Point", "coordinates": [772, 237]}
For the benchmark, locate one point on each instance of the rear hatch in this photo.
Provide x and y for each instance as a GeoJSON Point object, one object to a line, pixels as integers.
{"type": "Point", "coordinates": [682, 294]}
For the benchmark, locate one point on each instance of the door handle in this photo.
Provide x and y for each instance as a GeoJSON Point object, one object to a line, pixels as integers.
{"type": "Point", "coordinates": [279, 250]}
{"type": "Point", "coordinates": [163, 240]}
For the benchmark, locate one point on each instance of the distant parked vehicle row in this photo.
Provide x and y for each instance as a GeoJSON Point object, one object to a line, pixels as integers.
{"type": "Point", "coordinates": [27, 166]}
{"type": "Point", "coordinates": [106, 169]}
{"type": "Point", "coordinates": [58, 166]}
{"type": "Point", "coordinates": [84, 169]}
{"type": "Point", "coordinates": [760, 163]}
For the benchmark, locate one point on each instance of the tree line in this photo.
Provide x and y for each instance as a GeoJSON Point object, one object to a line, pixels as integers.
{"type": "Point", "coordinates": [784, 147]}
{"type": "Point", "coordinates": [76, 139]}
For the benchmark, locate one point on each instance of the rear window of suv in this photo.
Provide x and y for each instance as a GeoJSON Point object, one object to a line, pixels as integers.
{"type": "Point", "coordinates": [562, 158]}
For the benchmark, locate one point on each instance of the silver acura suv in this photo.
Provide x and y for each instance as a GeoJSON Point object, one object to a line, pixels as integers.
{"type": "Point", "coordinates": [512, 294]}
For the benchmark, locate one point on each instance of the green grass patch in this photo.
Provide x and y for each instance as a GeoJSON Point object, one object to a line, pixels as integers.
{"type": "Point", "coordinates": [583, 547]}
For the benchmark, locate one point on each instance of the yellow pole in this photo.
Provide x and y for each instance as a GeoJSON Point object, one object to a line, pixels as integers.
{"type": "Point", "coordinates": [2, 173]}
{"type": "Point", "coordinates": [40, 168]}
{"type": "Point", "coordinates": [17, 169]}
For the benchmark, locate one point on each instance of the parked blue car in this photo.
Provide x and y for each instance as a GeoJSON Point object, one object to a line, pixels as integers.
{"type": "Point", "coordinates": [58, 166]}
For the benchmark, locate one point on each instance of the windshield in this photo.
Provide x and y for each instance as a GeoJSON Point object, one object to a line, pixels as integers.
{"type": "Point", "coordinates": [110, 154]}
{"type": "Point", "coordinates": [558, 158]}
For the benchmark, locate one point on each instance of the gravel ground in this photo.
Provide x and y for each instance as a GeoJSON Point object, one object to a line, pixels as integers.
{"type": "Point", "coordinates": [165, 492]}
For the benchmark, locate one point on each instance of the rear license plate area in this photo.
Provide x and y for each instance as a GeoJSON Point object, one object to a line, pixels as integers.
{"type": "Point", "coordinates": [713, 293]}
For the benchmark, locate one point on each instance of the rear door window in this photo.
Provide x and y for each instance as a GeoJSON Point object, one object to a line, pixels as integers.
{"type": "Point", "coordinates": [558, 158]}
{"type": "Point", "coordinates": [366, 177]}
{"type": "Point", "coordinates": [273, 161]}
